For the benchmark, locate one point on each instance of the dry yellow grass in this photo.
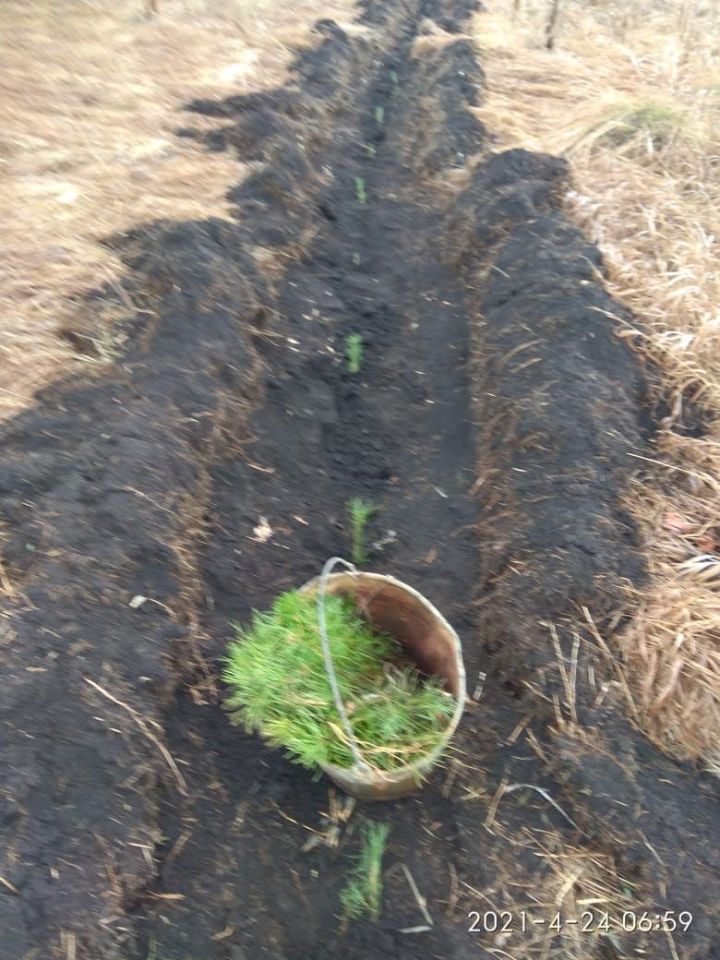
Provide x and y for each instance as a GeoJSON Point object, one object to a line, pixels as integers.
{"type": "Point", "coordinates": [578, 893]}
{"type": "Point", "coordinates": [631, 95]}
{"type": "Point", "coordinates": [90, 96]}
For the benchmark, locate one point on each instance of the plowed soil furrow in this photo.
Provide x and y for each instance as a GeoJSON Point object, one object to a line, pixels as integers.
{"type": "Point", "coordinates": [398, 433]}
{"type": "Point", "coordinates": [413, 275]}
{"type": "Point", "coordinates": [210, 469]}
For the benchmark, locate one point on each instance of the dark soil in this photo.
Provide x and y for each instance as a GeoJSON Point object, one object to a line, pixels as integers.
{"type": "Point", "coordinates": [491, 424]}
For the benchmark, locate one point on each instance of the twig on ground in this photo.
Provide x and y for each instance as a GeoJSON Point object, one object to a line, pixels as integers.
{"type": "Point", "coordinates": [567, 683]}
{"type": "Point", "coordinates": [10, 886]}
{"type": "Point", "coordinates": [142, 724]}
{"type": "Point", "coordinates": [494, 803]}
{"type": "Point", "coordinates": [611, 660]}
{"type": "Point", "coordinates": [419, 899]}
{"type": "Point", "coordinates": [454, 895]}
{"type": "Point", "coordinates": [543, 793]}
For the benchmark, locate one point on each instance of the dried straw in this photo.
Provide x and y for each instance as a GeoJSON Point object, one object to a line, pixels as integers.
{"type": "Point", "coordinates": [631, 95]}
{"type": "Point", "coordinates": [90, 99]}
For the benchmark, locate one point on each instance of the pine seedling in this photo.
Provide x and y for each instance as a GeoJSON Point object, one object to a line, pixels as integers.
{"type": "Point", "coordinates": [379, 116]}
{"type": "Point", "coordinates": [278, 686]}
{"type": "Point", "coordinates": [359, 511]}
{"type": "Point", "coordinates": [354, 352]}
{"type": "Point", "coordinates": [360, 191]}
{"type": "Point", "coordinates": [363, 892]}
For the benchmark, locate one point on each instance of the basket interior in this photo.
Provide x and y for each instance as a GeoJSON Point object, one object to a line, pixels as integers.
{"type": "Point", "coordinates": [390, 608]}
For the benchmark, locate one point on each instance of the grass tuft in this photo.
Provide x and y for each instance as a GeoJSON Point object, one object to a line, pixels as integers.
{"type": "Point", "coordinates": [354, 352]}
{"type": "Point", "coordinates": [640, 129]}
{"type": "Point", "coordinates": [363, 892]}
{"type": "Point", "coordinates": [359, 512]}
{"type": "Point", "coordinates": [279, 687]}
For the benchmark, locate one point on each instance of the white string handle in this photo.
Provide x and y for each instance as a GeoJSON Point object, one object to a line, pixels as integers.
{"type": "Point", "coordinates": [329, 665]}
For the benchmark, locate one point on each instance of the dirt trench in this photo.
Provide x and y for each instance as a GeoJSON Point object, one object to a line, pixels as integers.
{"type": "Point", "coordinates": [490, 422]}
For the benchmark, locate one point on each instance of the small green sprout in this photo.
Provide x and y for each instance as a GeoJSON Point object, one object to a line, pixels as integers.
{"type": "Point", "coordinates": [360, 189]}
{"type": "Point", "coordinates": [363, 892]}
{"type": "Point", "coordinates": [354, 352]}
{"type": "Point", "coordinates": [379, 116]}
{"type": "Point", "coordinates": [360, 511]}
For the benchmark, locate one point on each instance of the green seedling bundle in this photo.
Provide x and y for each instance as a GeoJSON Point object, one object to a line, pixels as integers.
{"type": "Point", "coordinates": [279, 687]}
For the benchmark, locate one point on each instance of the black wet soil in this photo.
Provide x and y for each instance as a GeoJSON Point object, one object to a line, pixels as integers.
{"type": "Point", "coordinates": [490, 423]}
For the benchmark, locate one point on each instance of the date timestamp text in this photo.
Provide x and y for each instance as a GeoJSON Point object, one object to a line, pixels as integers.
{"type": "Point", "coordinates": [590, 921]}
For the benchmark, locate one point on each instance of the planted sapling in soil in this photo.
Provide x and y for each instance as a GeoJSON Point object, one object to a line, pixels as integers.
{"type": "Point", "coordinates": [360, 191]}
{"type": "Point", "coordinates": [354, 352]}
{"type": "Point", "coordinates": [279, 687]}
{"type": "Point", "coordinates": [359, 513]}
{"type": "Point", "coordinates": [363, 892]}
